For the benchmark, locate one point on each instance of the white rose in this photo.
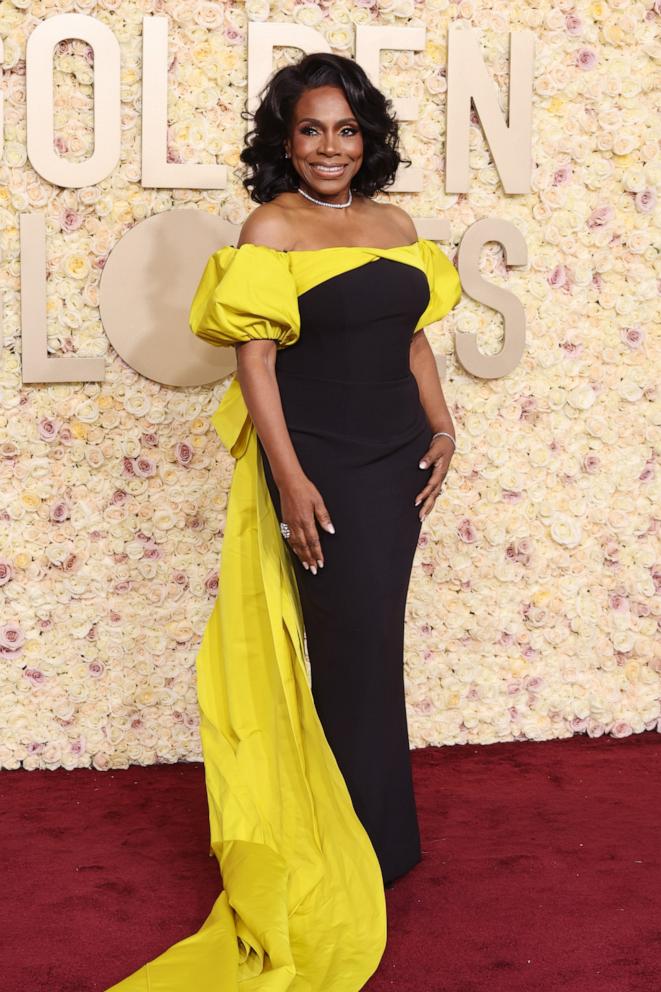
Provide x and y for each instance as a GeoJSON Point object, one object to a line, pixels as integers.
{"type": "Point", "coordinates": [565, 530]}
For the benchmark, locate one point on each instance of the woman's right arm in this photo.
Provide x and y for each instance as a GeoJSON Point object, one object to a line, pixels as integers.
{"type": "Point", "coordinates": [301, 501]}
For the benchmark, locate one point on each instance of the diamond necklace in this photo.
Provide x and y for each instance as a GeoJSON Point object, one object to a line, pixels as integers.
{"type": "Point", "coordinates": [322, 203]}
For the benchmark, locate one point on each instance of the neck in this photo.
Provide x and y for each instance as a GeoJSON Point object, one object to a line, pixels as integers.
{"type": "Point", "coordinates": [340, 197]}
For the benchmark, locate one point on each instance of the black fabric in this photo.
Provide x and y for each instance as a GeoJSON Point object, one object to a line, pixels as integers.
{"type": "Point", "coordinates": [353, 410]}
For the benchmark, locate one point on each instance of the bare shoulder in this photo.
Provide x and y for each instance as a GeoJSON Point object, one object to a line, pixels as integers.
{"type": "Point", "coordinates": [395, 219]}
{"type": "Point", "coordinates": [269, 225]}
{"type": "Point", "coordinates": [402, 220]}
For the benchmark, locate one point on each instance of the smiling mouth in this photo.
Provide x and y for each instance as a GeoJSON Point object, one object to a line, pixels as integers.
{"type": "Point", "coordinates": [328, 171]}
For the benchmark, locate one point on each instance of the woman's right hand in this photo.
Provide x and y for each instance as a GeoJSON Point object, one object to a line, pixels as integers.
{"type": "Point", "coordinates": [301, 505]}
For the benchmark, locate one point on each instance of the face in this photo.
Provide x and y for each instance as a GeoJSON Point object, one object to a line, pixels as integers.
{"type": "Point", "coordinates": [325, 143]}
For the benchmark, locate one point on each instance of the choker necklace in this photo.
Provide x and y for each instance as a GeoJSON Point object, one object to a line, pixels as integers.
{"type": "Point", "coordinates": [322, 203]}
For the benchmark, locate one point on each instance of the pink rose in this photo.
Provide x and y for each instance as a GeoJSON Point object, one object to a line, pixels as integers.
{"type": "Point", "coordinates": [180, 579]}
{"type": "Point", "coordinates": [118, 497]}
{"type": "Point", "coordinates": [60, 511]}
{"type": "Point", "coordinates": [559, 276]}
{"type": "Point", "coordinates": [96, 669]}
{"type": "Point", "coordinates": [71, 563]}
{"type": "Point", "coordinates": [601, 216]}
{"type": "Point", "coordinates": [211, 584]}
{"type": "Point", "coordinates": [150, 439]}
{"type": "Point", "coordinates": [12, 637]}
{"type": "Point", "coordinates": [586, 58]}
{"type": "Point", "coordinates": [573, 24]}
{"type": "Point", "coordinates": [618, 602]}
{"type": "Point", "coordinates": [152, 552]}
{"type": "Point", "coordinates": [645, 201]}
{"type": "Point", "coordinates": [466, 532]}
{"type": "Point", "coordinates": [48, 429]}
{"type": "Point", "coordinates": [6, 572]}
{"type": "Point", "coordinates": [70, 220]}
{"type": "Point", "coordinates": [143, 467]}
{"type": "Point", "coordinates": [34, 676]}
{"type": "Point", "coordinates": [183, 453]}
{"type": "Point", "coordinates": [562, 175]}
{"type": "Point", "coordinates": [633, 337]}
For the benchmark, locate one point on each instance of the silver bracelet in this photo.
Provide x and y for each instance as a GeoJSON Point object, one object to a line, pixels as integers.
{"type": "Point", "coordinates": [444, 434]}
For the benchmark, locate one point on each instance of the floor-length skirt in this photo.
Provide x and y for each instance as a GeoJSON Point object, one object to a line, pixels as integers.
{"type": "Point", "coordinates": [309, 788]}
{"type": "Point", "coordinates": [303, 906]}
{"type": "Point", "coordinates": [354, 607]}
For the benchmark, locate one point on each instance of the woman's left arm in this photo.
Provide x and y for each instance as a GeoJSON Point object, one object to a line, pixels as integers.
{"type": "Point", "coordinates": [440, 451]}
{"type": "Point", "coordinates": [423, 365]}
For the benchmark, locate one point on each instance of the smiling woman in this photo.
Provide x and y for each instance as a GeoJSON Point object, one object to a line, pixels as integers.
{"type": "Point", "coordinates": [339, 154]}
{"type": "Point", "coordinates": [341, 438]}
{"type": "Point", "coordinates": [359, 153]}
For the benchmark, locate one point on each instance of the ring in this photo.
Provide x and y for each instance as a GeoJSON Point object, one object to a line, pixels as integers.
{"type": "Point", "coordinates": [284, 529]}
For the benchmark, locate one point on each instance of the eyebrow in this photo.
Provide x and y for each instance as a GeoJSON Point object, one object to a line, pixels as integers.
{"type": "Point", "coordinates": [313, 120]}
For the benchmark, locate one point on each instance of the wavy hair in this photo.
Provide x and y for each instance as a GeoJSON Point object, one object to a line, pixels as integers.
{"type": "Point", "coordinates": [267, 172]}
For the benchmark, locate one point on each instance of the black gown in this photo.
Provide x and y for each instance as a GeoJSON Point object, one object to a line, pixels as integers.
{"type": "Point", "coordinates": [311, 804]}
{"type": "Point", "coordinates": [353, 411]}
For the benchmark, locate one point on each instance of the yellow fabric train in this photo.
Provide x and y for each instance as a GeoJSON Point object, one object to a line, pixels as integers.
{"type": "Point", "coordinates": [303, 904]}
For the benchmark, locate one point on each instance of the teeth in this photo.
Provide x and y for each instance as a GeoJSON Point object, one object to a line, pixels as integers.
{"type": "Point", "coordinates": [328, 168]}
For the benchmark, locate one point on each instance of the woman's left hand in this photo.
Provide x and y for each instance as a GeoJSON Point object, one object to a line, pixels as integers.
{"type": "Point", "coordinates": [439, 454]}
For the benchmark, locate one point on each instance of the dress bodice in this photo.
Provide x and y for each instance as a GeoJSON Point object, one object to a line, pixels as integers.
{"type": "Point", "coordinates": [356, 325]}
{"type": "Point", "coordinates": [342, 319]}
{"type": "Point", "coordinates": [254, 291]}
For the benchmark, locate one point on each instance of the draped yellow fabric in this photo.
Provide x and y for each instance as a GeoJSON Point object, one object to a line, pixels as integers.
{"type": "Point", "coordinates": [444, 283]}
{"type": "Point", "coordinates": [303, 904]}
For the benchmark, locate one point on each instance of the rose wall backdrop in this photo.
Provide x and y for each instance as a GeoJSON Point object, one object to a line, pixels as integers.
{"type": "Point", "coordinates": [534, 601]}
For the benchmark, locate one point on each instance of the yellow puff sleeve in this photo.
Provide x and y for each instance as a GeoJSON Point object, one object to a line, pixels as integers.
{"type": "Point", "coordinates": [244, 294]}
{"type": "Point", "coordinates": [444, 284]}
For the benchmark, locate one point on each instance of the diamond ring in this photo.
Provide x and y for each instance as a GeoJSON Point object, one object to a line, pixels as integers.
{"type": "Point", "coordinates": [284, 529]}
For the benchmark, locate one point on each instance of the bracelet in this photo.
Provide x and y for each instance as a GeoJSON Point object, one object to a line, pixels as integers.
{"type": "Point", "coordinates": [444, 434]}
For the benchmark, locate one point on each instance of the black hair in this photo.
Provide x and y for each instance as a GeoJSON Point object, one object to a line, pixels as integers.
{"type": "Point", "coordinates": [268, 172]}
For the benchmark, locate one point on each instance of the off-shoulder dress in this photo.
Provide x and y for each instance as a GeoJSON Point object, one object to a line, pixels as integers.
{"type": "Point", "coordinates": [311, 803]}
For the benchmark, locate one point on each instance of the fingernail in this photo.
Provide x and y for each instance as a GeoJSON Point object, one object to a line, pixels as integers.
{"type": "Point", "coordinates": [305, 565]}
{"type": "Point", "coordinates": [330, 529]}
{"type": "Point", "coordinates": [422, 465]}
{"type": "Point", "coordinates": [313, 569]}
{"type": "Point", "coordinates": [320, 563]}
{"type": "Point", "coordinates": [417, 502]}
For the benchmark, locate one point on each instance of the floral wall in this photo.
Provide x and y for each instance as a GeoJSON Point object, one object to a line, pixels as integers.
{"type": "Point", "coordinates": [533, 608]}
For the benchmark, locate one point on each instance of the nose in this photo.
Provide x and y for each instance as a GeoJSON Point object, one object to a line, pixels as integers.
{"type": "Point", "coordinates": [327, 145]}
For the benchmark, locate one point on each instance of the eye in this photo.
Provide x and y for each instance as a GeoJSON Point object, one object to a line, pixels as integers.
{"type": "Point", "coordinates": [307, 128]}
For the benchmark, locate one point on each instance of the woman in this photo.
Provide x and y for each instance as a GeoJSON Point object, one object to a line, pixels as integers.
{"type": "Point", "coordinates": [342, 438]}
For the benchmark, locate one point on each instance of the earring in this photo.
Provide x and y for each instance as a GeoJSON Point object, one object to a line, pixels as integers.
{"type": "Point", "coordinates": [286, 154]}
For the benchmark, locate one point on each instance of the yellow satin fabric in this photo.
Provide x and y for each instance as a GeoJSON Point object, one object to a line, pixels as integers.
{"type": "Point", "coordinates": [303, 905]}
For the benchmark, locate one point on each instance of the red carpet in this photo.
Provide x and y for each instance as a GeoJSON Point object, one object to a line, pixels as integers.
{"type": "Point", "coordinates": [541, 871]}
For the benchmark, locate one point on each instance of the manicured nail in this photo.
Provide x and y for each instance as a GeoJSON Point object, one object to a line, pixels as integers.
{"type": "Point", "coordinates": [320, 563]}
{"type": "Point", "coordinates": [305, 565]}
{"type": "Point", "coordinates": [418, 501]}
{"type": "Point", "coordinates": [313, 569]}
{"type": "Point", "coordinates": [330, 528]}
{"type": "Point", "coordinates": [422, 465]}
